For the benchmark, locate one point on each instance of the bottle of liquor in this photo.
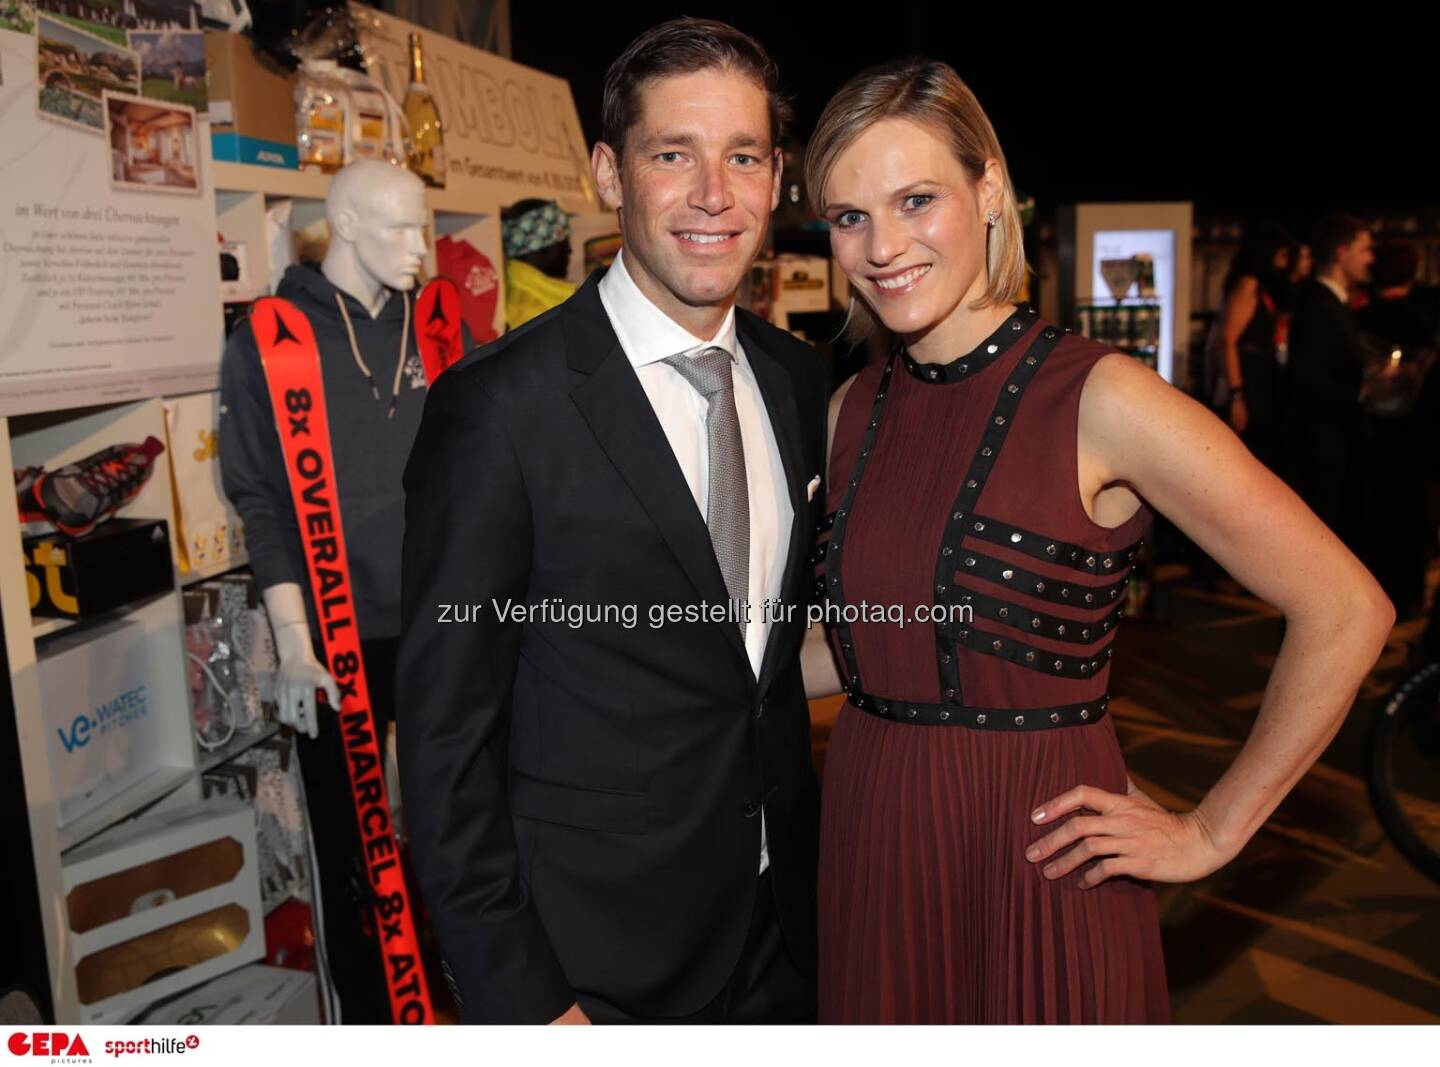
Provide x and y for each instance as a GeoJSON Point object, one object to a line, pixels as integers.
{"type": "Point", "coordinates": [427, 138]}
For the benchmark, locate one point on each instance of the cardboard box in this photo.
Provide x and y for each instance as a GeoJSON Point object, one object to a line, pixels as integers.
{"type": "Point", "coordinates": [252, 104]}
{"type": "Point", "coordinates": [122, 561]}
{"type": "Point", "coordinates": [101, 703]}
{"type": "Point", "coordinates": [256, 995]}
{"type": "Point", "coordinates": [160, 904]}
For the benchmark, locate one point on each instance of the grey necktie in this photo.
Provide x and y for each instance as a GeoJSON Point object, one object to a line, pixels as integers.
{"type": "Point", "coordinates": [727, 512]}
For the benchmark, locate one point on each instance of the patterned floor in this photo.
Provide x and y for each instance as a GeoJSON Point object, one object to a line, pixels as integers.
{"type": "Point", "coordinates": [1319, 919]}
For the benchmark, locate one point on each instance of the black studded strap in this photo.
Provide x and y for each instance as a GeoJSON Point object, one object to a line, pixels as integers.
{"type": "Point", "coordinates": [1055, 664]}
{"type": "Point", "coordinates": [970, 564]}
{"type": "Point", "coordinates": [1000, 719]}
{"type": "Point", "coordinates": [833, 588]}
{"type": "Point", "coordinates": [1040, 624]}
{"type": "Point", "coordinates": [1049, 549]}
{"type": "Point", "coordinates": [991, 441]}
{"type": "Point", "coordinates": [991, 350]}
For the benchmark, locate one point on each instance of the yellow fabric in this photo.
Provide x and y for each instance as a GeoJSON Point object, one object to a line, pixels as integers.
{"type": "Point", "coordinates": [530, 292]}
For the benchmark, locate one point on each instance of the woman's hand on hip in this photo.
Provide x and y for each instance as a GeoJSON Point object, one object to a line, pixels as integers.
{"type": "Point", "coordinates": [1129, 835]}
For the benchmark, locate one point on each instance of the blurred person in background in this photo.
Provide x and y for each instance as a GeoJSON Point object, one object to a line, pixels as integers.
{"type": "Point", "coordinates": [536, 235]}
{"type": "Point", "coordinates": [1394, 317]}
{"type": "Point", "coordinates": [1398, 455]}
{"type": "Point", "coordinates": [1323, 417]}
{"type": "Point", "coordinates": [1302, 266]}
{"type": "Point", "coordinates": [1241, 356]}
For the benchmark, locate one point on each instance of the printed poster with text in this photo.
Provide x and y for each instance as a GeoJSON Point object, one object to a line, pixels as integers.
{"type": "Point", "coordinates": [109, 277]}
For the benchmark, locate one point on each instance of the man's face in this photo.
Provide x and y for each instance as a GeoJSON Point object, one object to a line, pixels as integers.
{"type": "Point", "coordinates": [695, 187]}
{"type": "Point", "coordinates": [390, 242]}
{"type": "Point", "coordinates": [1356, 258]}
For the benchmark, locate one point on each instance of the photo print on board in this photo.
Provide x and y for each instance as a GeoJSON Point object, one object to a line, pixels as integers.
{"type": "Point", "coordinates": [113, 19]}
{"type": "Point", "coordinates": [154, 146]}
{"type": "Point", "coordinates": [74, 69]}
{"type": "Point", "coordinates": [172, 66]}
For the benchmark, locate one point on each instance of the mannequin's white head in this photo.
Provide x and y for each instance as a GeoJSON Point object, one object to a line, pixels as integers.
{"type": "Point", "coordinates": [378, 210]}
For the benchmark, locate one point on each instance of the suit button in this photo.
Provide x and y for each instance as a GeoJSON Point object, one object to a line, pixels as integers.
{"type": "Point", "coordinates": [749, 809]}
{"type": "Point", "coordinates": [760, 708]}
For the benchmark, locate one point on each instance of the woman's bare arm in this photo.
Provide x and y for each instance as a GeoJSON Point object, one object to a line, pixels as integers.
{"type": "Point", "coordinates": [1137, 432]}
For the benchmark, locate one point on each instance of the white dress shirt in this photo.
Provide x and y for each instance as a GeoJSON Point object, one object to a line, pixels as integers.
{"type": "Point", "coordinates": [1336, 288]}
{"type": "Point", "coordinates": [648, 336]}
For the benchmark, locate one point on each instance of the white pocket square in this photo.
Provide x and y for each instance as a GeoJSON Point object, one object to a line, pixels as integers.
{"type": "Point", "coordinates": [811, 489]}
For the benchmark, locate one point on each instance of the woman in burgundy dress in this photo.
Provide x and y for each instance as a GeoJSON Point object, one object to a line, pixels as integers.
{"type": "Point", "coordinates": [984, 855]}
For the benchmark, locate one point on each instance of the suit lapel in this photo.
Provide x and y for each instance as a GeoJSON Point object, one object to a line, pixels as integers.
{"type": "Point", "coordinates": [613, 403]}
{"type": "Point", "coordinates": [779, 397]}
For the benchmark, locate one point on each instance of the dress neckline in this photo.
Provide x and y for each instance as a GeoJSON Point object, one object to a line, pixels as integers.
{"type": "Point", "coordinates": [980, 357]}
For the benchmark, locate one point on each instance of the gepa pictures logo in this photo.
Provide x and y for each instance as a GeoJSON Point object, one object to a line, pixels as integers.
{"type": "Point", "coordinates": [55, 1046]}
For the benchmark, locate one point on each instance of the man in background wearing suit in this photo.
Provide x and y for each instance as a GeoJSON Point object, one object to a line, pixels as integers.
{"type": "Point", "coordinates": [1325, 420]}
{"type": "Point", "coordinates": [612, 817]}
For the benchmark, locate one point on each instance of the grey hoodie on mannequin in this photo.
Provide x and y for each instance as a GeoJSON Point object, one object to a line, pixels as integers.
{"type": "Point", "coordinates": [373, 397]}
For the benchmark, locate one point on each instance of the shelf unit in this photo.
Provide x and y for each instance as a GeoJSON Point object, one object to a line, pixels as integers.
{"type": "Point", "coordinates": [244, 192]}
{"type": "Point", "coordinates": [236, 745]}
{"type": "Point", "coordinates": [311, 185]}
{"type": "Point", "coordinates": [242, 195]}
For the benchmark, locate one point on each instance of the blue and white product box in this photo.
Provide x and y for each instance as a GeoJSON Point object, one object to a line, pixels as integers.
{"type": "Point", "coordinates": [98, 699]}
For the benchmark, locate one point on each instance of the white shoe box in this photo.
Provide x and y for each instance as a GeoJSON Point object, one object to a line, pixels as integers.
{"type": "Point", "coordinates": [160, 904]}
{"type": "Point", "coordinates": [256, 995]}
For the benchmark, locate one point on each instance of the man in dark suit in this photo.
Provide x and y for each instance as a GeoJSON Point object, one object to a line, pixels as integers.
{"type": "Point", "coordinates": [1324, 422]}
{"type": "Point", "coordinates": [611, 805]}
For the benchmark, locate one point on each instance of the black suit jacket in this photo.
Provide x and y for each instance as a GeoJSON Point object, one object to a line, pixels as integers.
{"type": "Point", "coordinates": [583, 801]}
{"type": "Point", "coordinates": [1327, 356]}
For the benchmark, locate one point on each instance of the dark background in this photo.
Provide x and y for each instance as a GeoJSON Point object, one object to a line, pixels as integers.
{"type": "Point", "coordinates": [1278, 119]}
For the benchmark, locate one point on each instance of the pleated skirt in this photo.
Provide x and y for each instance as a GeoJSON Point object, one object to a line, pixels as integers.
{"type": "Point", "coordinates": [929, 911]}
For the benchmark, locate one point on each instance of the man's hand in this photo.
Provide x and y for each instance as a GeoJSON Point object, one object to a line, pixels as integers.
{"type": "Point", "coordinates": [573, 1017]}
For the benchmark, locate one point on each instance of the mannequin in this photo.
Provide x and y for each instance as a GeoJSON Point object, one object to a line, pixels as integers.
{"type": "Point", "coordinates": [377, 223]}
{"type": "Point", "coordinates": [360, 304]}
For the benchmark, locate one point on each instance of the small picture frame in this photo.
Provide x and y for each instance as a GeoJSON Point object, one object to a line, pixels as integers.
{"type": "Point", "coordinates": [154, 145]}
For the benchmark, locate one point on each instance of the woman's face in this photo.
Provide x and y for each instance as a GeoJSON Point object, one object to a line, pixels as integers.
{"type": "Point", "coordinates": [1304, 262]}
{"type": "Point", "coordinates": [908, 226]}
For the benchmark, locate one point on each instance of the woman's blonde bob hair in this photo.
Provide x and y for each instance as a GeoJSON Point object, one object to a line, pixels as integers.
{"type": "Point", "coordinates": [929, 92]}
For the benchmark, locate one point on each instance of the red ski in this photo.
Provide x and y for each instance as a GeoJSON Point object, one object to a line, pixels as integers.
{"type": "Point", "coordinates": [291, 360]}
{"type": "Point", "coordinates": [437, 327]}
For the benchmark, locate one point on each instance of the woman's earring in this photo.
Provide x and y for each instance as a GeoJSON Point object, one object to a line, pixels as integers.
{"type": "Point", "coordinates": [991, 218]}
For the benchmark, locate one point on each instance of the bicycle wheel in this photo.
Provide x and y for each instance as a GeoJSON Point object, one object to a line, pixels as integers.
{"type": "Point", "coordinates": [1404, 768]}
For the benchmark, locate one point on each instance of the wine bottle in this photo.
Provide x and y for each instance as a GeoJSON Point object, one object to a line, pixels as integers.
{"type": "Point", "coordinates": [427, 136]}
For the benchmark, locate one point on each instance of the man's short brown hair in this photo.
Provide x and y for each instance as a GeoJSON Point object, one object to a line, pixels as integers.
{"type": "Point", "coordinates": [684, 46]}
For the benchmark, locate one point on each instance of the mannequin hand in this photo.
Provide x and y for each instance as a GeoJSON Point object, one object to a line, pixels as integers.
{"type": "Point", "coordinates": [1134, 835]}
{"type": "Point", "coordinates": [295, 692]}
{"type": "Point", "coordinates": [300, 673]}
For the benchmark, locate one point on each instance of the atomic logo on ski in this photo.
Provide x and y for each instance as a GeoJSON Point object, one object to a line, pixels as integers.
{"type": "Point", "coordinates": [282, 331]}
{"type": "Point", "coordinates": [437, 327]}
